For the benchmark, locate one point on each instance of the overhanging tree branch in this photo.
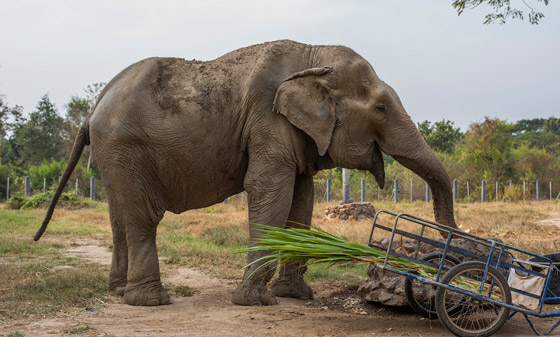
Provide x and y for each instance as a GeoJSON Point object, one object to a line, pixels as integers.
{"type": "Point", "coordinates": [502, 10]}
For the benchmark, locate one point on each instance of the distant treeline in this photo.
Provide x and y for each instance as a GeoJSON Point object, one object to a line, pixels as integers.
{"type": "Point", "coordinates": [493, 150]}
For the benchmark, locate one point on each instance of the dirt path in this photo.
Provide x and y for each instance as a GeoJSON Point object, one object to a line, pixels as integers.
{"type": "Point", "coordinates": [209, 312]}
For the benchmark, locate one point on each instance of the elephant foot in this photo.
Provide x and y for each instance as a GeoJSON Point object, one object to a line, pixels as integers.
{"type": "Point", "coordinates": [291, 287]}
{"type": "Point", "coordinates": [117, 287]}
{"type": "Point", "coordinates": [253, 295]}
{"type": "Point", "coordinates": [148, 296]}
{"type": "Point", "coordinates": [119, 291]}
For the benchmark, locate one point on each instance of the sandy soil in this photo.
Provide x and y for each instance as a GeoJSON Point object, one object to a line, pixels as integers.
{"type": "Point", "coordinates": [336, 311]}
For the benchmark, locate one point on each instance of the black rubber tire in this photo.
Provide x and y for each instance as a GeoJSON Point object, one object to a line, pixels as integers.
{"type": "Point", "coordinates": [426, 309]}
{"type": "Point", "coordinates": [479, 318]}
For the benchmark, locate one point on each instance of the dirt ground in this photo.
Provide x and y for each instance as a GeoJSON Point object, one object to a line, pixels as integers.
{"type": "Point", "coordinates": [336, 311]}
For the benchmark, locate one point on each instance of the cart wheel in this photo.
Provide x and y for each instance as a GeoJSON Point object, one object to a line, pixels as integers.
{"type": "Point", "coordinates": [476, 317]}
{"type": "Point", "coordinates": [421, 296]}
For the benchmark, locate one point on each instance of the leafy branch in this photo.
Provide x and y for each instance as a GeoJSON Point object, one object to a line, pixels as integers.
{"type": "Point", "coordinates": [502, 10]}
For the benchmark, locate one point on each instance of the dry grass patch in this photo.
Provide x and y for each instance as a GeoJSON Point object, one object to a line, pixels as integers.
{"type": "Point", "coordinates": [517, 224]}
{"type": "Point", "coordinates": [210, 239]}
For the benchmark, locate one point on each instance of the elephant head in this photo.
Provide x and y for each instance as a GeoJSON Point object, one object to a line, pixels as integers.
{"type": "Point", "coordinates": [353, 117]}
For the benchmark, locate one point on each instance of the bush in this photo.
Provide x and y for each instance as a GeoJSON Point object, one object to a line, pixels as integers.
{"type": "Point", "coordinates": [16, 202]}
{"type": "Point", "coordinates": [42, 200]}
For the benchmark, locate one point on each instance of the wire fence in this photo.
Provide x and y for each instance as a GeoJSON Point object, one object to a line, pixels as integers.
{"type": "Point", "coordinates": [397, 190]}
{"type": "Point", "coordinates": [23, 186]}
{"type": "Point", "coordinates": [327, 190]}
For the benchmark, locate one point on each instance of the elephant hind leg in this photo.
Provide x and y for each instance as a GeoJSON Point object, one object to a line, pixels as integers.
{"type": "Point", "coordinates": [135, 267]}
{"type": "Point", "coordinates": [119, 262]}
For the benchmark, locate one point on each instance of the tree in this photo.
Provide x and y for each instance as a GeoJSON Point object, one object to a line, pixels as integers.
{"type": "Point", "coordinates": [502, 10]}
{"type": "Point", "coordinates": [441, 136]}
{"type": "Point", "coordinates": [528, 125]}
{"type": "Point", "coordinates": [79, 107]}
{"type": "Point", "coordinates": [10, 119]}
{"type": "Point", "coordinates": [77, 111]}
{"type": "Point", "coordinates": [41, 136]}
{"type": "Point", "coordinates": [486, 152]}
{"type": "Point", "coordinates": [552, 125]}
{"type": "Point", "coordinates": [538, 133]}
{"type": "Point", "coordinates": [535, 163]}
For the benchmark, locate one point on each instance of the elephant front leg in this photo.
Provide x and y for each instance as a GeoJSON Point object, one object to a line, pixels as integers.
{"type": "Point", "coordinates": [290, 282]}
{"type": "Point", "coordinates": [269, 198]}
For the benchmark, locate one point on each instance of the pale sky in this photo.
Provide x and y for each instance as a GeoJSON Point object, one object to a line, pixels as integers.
{"type": "Point", "coordinates": [442, 66]}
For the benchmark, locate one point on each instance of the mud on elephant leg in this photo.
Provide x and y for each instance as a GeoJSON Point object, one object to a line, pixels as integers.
{"type": "Point", "coordinates": [119, 262]}
{"type": "Point", "coordinates": [253, 290]}
{"type": "Point", "coordinates": [290, 282]}
{"type": "Point", "coordinates": [269, 194]}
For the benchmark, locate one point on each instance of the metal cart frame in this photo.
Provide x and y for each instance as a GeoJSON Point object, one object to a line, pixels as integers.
{"type": "Point", "coordinates": [500, 257]}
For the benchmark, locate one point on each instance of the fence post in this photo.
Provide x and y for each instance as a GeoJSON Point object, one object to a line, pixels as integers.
{"type": "Point", "coordinates": [550, 189]}
{"type": "Point", "coordinates": [496, 190]}
{"type": "Point", "coordinates": [77, 186]}
{"type": "Point", "coordinates": [345, 185]}
{"type": "Point", "coordinates": [396, 190]}
{"type": "Point", "coordinates": [483, 191]}
{"type": "Point", "coordinates": [329, 184]}
{"type": "Point", "coordinates": [27, 187]}
{"type": "Point", "coordinates": [468, 192]}
{"type": "Point", "coordinates": [523, 189]}
{"type": "Point", "coordinates": [8, 189]}
{"type": "Point", "coordinates": [243, 196]}
{"type": "Point", "coordinates": [92, 188]}
{"type": "Point", "coordinates": [363, 191]}
{"type": "Point", "coordinates": [44, 185]}
{"type": "Point", "coordinates": [455, 192]}
{"type": "Point", "coordinates": [378, 194]}
{"type": "Point", "coordinates": [538, 190]}
{"type": "Point", "coordinates": [411, 190]}
{"type": "Point", "coordinates": [427, 192]}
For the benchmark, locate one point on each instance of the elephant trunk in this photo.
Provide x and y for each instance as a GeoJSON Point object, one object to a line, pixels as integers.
{"type": "Point", "coordinates": [424, 162]}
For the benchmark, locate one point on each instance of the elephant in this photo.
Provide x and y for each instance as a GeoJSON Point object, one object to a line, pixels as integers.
{"type": "Point", "coordinates": [169, 134]}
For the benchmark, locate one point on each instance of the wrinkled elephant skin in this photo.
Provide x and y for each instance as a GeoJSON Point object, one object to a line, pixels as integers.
{"type": "Point", "coordinates": [169, 134]}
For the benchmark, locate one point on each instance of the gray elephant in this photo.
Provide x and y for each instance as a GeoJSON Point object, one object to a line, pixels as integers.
{"type": "Point", "coordinates": [171, 135]}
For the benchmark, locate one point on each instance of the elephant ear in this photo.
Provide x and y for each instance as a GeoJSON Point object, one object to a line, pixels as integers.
{"type": "Point", "coordinates": [306, 103]}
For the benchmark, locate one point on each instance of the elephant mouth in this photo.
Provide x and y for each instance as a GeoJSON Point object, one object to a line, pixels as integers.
{"type": "Point", "coordinates": [378, 168]}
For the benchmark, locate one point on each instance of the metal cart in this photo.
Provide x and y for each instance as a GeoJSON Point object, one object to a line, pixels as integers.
{"type": "Point", "coordinates": [472, 291]}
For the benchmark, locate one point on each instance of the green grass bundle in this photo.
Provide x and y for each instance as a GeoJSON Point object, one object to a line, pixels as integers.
{"type": "Point", "coordinates": [317, 246]}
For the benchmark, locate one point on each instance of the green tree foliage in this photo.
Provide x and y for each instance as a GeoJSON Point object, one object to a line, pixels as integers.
{"type": "Point", "coordinates": [486, 151]}
{"type": "Point", "coordinates": [534, 163]}
{"type": "Point", "coordinates": [538, 133]}
{"type": "Point", "coordinates": [502, 10]}
{"type": "Point", "coordinates": [528, 125]}
{"type": "Point", "coordinates": [440, 136]}
{"type": "Point", "coordinates": [552, 125]}
{"type": "Point", "coordinates": [41, 136]}
{"type": "Point", "coordinates": [14, 173]}
{"type": "Point", "coordinates": [79, 107]}
{"type": "Point", "coordinates": [9, 119]}
{"type": "Point", "coordinates": [77, 110]}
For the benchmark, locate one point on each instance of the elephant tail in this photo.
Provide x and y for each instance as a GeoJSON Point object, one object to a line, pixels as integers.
{"type": "Point", "coordinates": [82, 139]}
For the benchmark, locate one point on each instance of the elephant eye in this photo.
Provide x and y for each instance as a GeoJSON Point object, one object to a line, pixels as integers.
{"type": "Point", "coordinates": [380, 107]}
